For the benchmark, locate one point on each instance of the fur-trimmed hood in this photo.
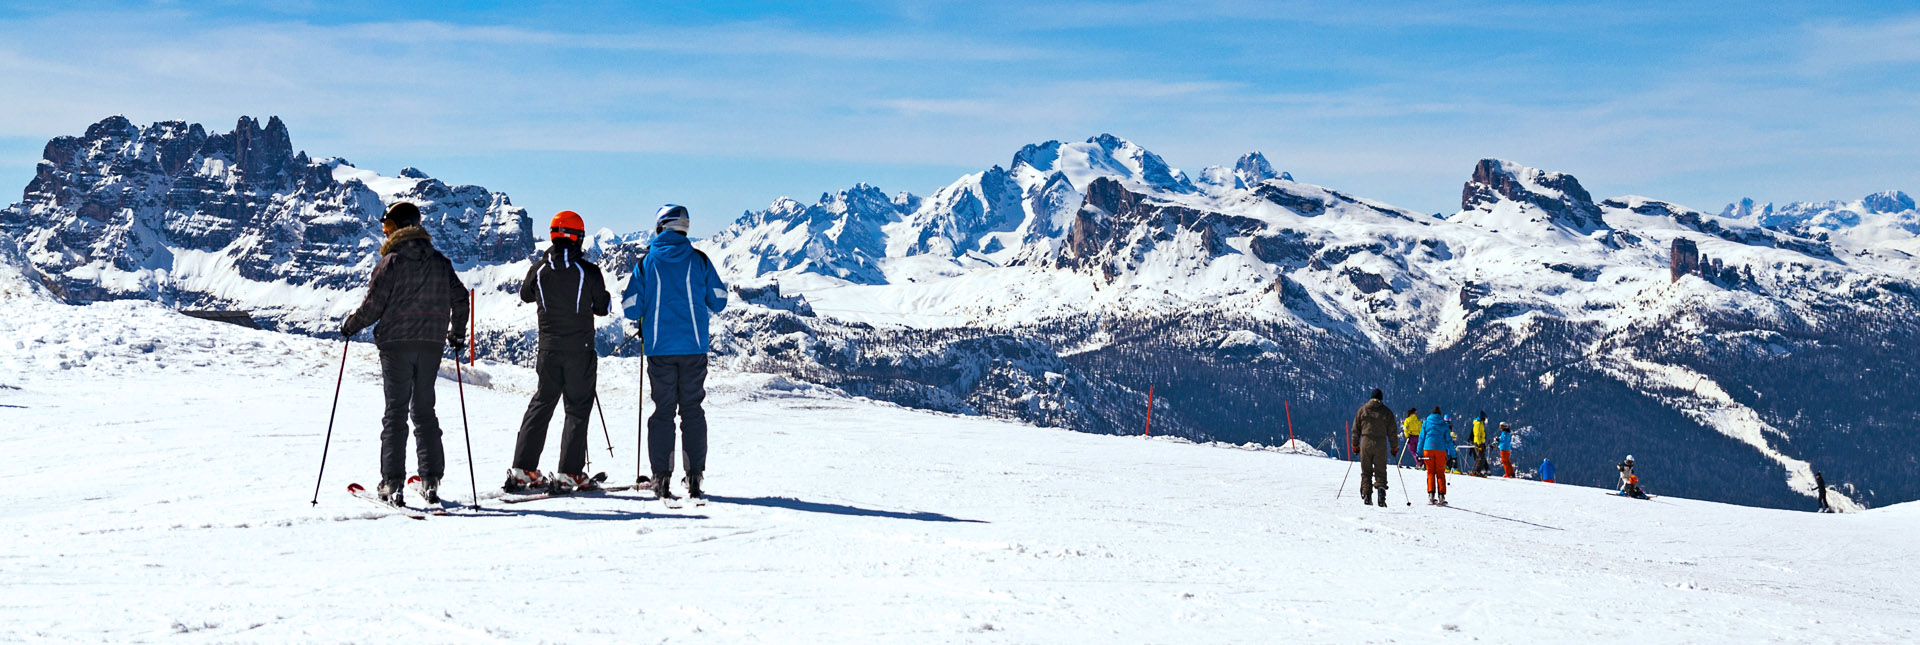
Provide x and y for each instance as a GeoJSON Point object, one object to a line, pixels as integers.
{"type": "Point", "coordinates": [404, 234]}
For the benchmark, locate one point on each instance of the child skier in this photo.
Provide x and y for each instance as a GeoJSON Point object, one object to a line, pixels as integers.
{"type": "Point", "coordinates": [1506, 450]}
{"type": "Point", "coordinates": [1435, 433]}
{"type": "Point", "coordinates": [1546, 470]}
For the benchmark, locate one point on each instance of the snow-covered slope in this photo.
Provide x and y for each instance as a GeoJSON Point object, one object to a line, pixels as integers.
{"type": "Point", "coordinates": [163, 467]}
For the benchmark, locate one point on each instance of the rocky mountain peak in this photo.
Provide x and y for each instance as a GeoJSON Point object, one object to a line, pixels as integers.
{"type": "Point", "coordinates": [1252, 168]}
{"type": "Point", "coordinates": [108, 214]}
{"type": "Point", "coordinates": [1038, 156]}
{"type": "Point", "coordinates": [1558, 194]}
{"type": "Point", "coordinates": [1889, 201]}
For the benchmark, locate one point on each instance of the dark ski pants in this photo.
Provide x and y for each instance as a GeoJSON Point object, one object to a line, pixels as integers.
{"type": "Point", "coordinates": [568, 377]}
{"type": "Point", "coordinates": [679, 384]}
{"type": "Point", "coordinates": [1373, 467]}
{"type": "Point", "coordinates": [408, 378]}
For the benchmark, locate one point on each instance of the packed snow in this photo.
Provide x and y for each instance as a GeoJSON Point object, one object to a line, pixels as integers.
{"type": "Point", "coordinates": [163, 468]}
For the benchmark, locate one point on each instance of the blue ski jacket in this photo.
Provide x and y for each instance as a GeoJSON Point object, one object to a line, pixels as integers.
{"type": "Point", "coordinates": [1431, 437]}
{"type": "Point", "coordinates": [1546, 469]}
{"type": "Point", "coordinates": [1506, 441]}
{"type": "Point", "coordinates": [674, 292]}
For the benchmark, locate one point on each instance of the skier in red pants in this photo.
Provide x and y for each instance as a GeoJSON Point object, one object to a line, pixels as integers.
{"type": "Point", "coordinates": [1435, 433]}
{"type": "Point", "coordinates": [1506, 449]}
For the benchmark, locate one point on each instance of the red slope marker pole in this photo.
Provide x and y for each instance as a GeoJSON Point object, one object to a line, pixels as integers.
{"type": "Point", "coordinates": [1149, 411]}
{"type": "Point", "coordinates": [1289, 407]}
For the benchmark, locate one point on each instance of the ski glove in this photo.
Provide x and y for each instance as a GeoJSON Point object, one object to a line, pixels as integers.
{"type": "Point", "coordinates": [456, 342]}
{"type": "Point", "coordinates": [347, 330]}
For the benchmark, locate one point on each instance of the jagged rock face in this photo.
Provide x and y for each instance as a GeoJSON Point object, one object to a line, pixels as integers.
{"type": "Point", "coordinates": [1558, 194]}
{"type": "Point", "coordinates": [130, 212]}
{"type": "Point", "coordinates": [839, 236]}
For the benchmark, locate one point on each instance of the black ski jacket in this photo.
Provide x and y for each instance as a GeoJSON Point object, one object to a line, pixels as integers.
{"type": "Point", "coordinates": [570, 292]}
{"type": "Point", "coordinates": [414, 296]}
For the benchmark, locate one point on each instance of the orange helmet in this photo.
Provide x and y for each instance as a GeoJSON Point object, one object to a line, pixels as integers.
{"type": "Point", "coordinates": [568, 224]}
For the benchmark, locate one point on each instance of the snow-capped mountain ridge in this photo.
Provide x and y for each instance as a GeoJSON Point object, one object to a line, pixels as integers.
{"type": "Point", "coordinates": [1532, 264]}
{"type": "Point", "coordinates": [1058, 288]}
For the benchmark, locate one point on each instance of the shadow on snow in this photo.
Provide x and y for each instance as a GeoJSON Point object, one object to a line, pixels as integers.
{"type": "Point", "coordinates": [836, 509]}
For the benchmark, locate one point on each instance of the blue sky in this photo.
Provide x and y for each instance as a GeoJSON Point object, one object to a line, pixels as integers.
{"type": "Point", "coordinates": [613, 110]}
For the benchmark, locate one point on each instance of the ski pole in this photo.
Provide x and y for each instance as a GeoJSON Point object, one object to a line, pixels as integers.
{"type": "Point", "coordinates": [603, 424]}
{"type": "Point", "coordinates": [472, 479]}
{"type": "Point", "coordinates": [337, 380]}
{"type": "Point", "coordinates": [623, 344]}
{"type": "Point", "coordinates": [1403, 482]}
{"type": "Point", "coordinates": [1343, 481]}
{"type": "Point", "coordinates": [640, 421]}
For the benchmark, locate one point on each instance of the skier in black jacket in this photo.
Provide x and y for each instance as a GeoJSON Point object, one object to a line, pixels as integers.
{"type": "Point", "coordinates": [415, 297]}
{"type": "Point", "coordinates": [569, 291]}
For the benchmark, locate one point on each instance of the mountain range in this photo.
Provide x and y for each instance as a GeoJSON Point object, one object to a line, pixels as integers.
{"type": "Point", "coordinates": [1733, 354]}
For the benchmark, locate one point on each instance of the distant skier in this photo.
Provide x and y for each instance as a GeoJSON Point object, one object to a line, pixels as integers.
{"type": "Point", "coordinates": [673, 292]}
{"type": "Point", "coordinates": [1435, 434]}
{"type": "Point", "coordinates": [415, 298]}
{"type": "Point", "coordinates": [1480, 466]}
{"type": "Point", "coordinates": [1629, 482]}
{"type": "Point", "coordinates": [1546, 470]}
{"type": "Point", "coordinates": [1820, 485]}
{"type": "Point", "coordinates": [1411, 426]}
{"type": "Point", "coordinates": [1373, 441]}
{"type": "Point", "coordinates": [569, 292]}
{"type": "Point", "coordinates": [1506, 450]}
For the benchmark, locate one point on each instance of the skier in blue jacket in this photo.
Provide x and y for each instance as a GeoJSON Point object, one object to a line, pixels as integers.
{"type": "Point", "coordinates": [1434, 446]}
{"type": "Point", "coordinates": [671, 297]}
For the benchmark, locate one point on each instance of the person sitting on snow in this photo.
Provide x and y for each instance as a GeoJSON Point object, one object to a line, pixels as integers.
{"type": "Point", "coordinates": [1630, 483]}
{"type": "Point", "coordinates": [1546, 470]}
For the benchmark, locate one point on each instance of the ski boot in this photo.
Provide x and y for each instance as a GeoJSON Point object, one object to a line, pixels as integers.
{"type": "Point", "coordinates": [1443, 499]}
{"type": "Point", "coordinates": [390, 491]}
{"type": "Point", "coordinates": [572, 483]}
{"type": "Point", "coordinates": [429, 489]}
{"type": "Point", "coordinates": [663, 489]}
{"type": "Point", "coordinates": [1380, 497]}
{"type": "Point", "coordinates": [524, 481]}
{"type": "Point", "coordinates": [1431, 500]}
{"type": "Point", "coordinates": [1366, 498]}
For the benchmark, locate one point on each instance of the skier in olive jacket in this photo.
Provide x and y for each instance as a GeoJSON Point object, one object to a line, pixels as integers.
{"type": "Point", "coordinates": [413, 301]}
{"type": "Point", "coordinates": [1373, 440]}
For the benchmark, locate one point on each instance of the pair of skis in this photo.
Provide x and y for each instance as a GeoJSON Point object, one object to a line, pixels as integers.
{"type": "Point", "coordinates": [413, 484]}
{"type": "Point", "coordinates": [599, 479]}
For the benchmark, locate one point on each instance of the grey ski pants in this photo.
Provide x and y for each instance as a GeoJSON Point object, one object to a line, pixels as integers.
{"type": "Point", "coordinates": [679, 385]}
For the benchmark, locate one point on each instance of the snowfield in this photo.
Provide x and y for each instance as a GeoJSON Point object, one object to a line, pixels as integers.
{"type": "Point", "coordinates": [161, 469]}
